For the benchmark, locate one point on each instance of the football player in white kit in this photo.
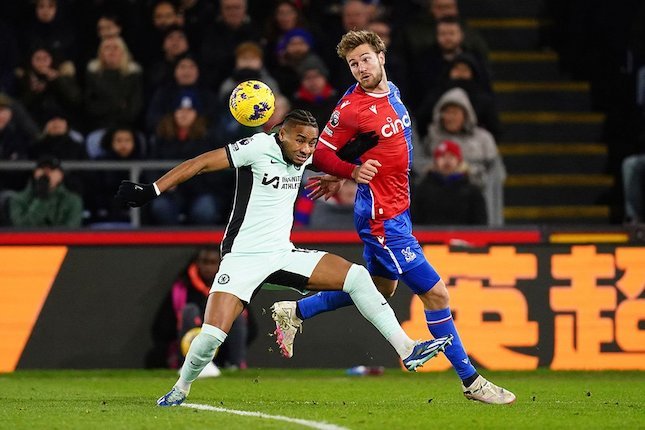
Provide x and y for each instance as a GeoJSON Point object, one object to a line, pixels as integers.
{"type": "Point", "coordinates": [257, 251]}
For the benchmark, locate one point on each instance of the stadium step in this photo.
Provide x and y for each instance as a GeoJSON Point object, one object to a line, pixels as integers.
{"type": "Point", "coordinates": [550, 135]}
{"type": "Point", "coordinates": [565, 96]}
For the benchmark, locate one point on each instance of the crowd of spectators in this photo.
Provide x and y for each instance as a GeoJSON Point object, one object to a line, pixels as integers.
{"type": "Point", "coordinates": [149, 80]}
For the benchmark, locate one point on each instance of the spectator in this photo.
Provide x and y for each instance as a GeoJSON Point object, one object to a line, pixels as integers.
{"type": "Point", "coordinates": [248, 62]}
{"type": "Point", "coordinates": [181, 315]}
{"type": "Point", "coordinates": [118, 144]}
{"type": "Point", "coordinates": [58, 140]}
{"type": "Point", "coordinates": [50, 29]}
{"type": "Point", "coordinates": [46, 84]}
{"type": "Point", "coordinates": [445, 195]}
{"type": "Point", "coordinates": [196, 15]}
{"type": "Point", "coordinates": [434, 61]}
{"type": "Point", "coordinates": [232, 27]}
{"type": "Point", "coordinates": [454, 119]}
{"type": "Point", "coordinates": [45, 202]}
{"type": "Point", "coordinates": [165, 15]}
{"type": "Point", "coordinates": [14, 142]}
{"type": "Point", "coordinates": [181, 135]}
{"type": "Point", "coordinates": [186, 83]}
{"type": "Point", "coordinates": [294, 52]}
{"type": "Point", "coordinates": [286, 16]}
{"type": "Point", "coordinates": [337, 212]}
{"type": "Point", "coordinates": [420, 34]}
{"type": "Point", "coordinates": [315, 94]}
{"type": "Point", "coordinates": [113, 86]}
{"type": "Point", "coordinates": [174, 45]}
{"type": "Point", "coordinates": [634, 188]}
{"type": "Point", "coordinates": [463, 72]}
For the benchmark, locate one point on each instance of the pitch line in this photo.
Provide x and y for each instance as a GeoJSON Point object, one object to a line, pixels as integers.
{"type": "Point", "coordinates": [319, 425]}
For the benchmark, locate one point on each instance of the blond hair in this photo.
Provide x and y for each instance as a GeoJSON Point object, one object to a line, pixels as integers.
{"type": "Point", "coordinates": [353, 39]}
{"type": "Point", "coordinates": [127, 65]}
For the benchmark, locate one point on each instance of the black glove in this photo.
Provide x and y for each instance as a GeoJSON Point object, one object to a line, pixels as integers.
{"type": "Point", "coordinates": [135, 195]}
{"type": "Point", "coordinates": [41, 187]}
{"type": "Point", "coordinates": [358, 146]}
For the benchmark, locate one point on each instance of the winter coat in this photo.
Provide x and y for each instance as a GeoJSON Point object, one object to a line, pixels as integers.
{"type": "Point", "coordinates": [485, 166]}
{"type": "Point", "coordinates": [62, 208]}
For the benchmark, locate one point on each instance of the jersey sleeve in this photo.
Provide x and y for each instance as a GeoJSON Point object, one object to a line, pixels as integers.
{"type": "Point", "coordinates": [245, 151]}
{"type": "Point", "coordinates": [341, 127]}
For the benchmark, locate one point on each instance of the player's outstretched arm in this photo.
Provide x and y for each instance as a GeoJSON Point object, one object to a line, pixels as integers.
{"type": "Point", "coordinates": [207, 162]}
{"type": "Point", "coordinates": [135, 195]}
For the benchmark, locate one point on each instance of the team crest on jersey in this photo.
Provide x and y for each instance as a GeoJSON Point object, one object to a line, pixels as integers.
{"type": "Point", "coordinates": [335, 118]}
{"type": "Point", "coordinates": [223, 279]}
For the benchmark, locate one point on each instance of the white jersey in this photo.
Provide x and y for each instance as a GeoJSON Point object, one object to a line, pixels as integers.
{"type": "Point", "coordinates": [266, 189]}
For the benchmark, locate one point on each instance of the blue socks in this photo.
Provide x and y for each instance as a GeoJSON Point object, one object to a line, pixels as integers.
{"type": "Point", "coordinates": [322, 302]}
{"type": "Point", "coordinates": [440, 324]}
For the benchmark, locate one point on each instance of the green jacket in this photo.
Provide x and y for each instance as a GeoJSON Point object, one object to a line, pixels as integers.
{"type": "Point", "coordinates": [62, 208]}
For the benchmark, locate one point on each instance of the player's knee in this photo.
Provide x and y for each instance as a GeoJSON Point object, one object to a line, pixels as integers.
{"type": "Point", "coordinates": [437, 297]}
{"type": "Point", "coordinates": [357, 277]}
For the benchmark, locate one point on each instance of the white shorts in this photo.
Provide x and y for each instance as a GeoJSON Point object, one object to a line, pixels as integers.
{"type": "Point", "coordinates": [244, 274]}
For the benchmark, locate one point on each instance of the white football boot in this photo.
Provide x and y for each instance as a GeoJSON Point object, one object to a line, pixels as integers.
{"type": "Point", "coordinates": [287, 325]}
{"type": "Point", "coordinates": [482, 390]}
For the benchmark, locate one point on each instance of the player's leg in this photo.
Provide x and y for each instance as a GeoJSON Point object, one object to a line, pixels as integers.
{"type": "Point", "coordinates": [333, 273]}
{"type": "Point", "coordinates": [426, 283]}
{"type": "Point", "coordinates": [221, 310]}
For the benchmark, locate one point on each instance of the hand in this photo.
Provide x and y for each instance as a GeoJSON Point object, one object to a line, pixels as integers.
{"type": "Point", "coordinates": [41, 186]}
{"type": "Point", "coordinates": [358, 146]}
{"type": "Point", "coordinates": [323, 186]}
{"type": "Point", "coordinates": [135, 195]}
{"type": "Point", "coordinates": [364, 173]}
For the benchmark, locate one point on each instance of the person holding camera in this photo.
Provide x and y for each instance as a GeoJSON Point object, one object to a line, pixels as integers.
{"type": "Point", "coordinates": [45, 201]}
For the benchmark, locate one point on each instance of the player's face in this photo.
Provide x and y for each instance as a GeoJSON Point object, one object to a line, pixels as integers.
{"type": "Point", "coordinates": [366, 66]}
{"type": "Point", "coordinates": [298, 142]}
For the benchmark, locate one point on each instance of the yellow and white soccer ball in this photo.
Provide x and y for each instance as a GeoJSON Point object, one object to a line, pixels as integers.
{"type": "Point", "coordinates": [252, 103]}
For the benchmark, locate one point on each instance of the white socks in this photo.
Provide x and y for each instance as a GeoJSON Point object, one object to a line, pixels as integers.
{"type": "Point", "coordinates": [201, 352]}
{"type": "Point", "coordinates": [373, 306]}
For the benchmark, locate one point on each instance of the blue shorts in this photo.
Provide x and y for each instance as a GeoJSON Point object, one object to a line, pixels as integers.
{"type": "Point", "coordinates": [392, 252]}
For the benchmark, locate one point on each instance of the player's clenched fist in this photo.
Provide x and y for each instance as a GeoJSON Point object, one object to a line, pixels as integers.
{"type": "Point", "coordinates": [135, 195]}
{"type": "Point", "coordinates": [364, 173]}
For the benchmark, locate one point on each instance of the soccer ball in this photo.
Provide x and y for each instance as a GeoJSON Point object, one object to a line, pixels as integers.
{"type": "Point", "coordinates": [252, 103]}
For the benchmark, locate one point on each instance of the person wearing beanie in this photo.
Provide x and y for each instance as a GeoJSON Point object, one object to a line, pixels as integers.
{"type": "Point", "coordinates": [445, 195]}
{"type": "Point", "coordinates": [315, 93]}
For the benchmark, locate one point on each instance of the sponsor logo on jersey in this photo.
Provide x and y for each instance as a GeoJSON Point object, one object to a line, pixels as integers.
{"type": "Point", "coordinates": [395, 126]}
{"type": "Point", "coordinates": [223, 279]}
{"type": "Point", "coordinates": [408, 254]}
{"type": "Point", "coordinates": [335, 118]}
{"type": "Point", "coordinates": [328, 130]}
{"type": "Point", "coordinates": [373, 109]}
{"type": "Point", "coordinates": [235, 146]}
{"type": "Point", "coordinates": [345, 103]}
{"type": "Point", "coordinates": [274, 182]}
{"type": "Point", "coordinates": [274, 161]}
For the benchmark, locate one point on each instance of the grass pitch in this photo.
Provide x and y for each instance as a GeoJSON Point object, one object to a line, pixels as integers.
{"type": "Point", "coordinates": [126, 400]}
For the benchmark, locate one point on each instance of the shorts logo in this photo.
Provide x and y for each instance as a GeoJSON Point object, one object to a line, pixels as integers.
{"type": "Point", "coordinates": [223, 279]}
{"type": "Point", "coordinates": [409, 255]}
{"type": "Point", "coordinates": [335, 118]}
